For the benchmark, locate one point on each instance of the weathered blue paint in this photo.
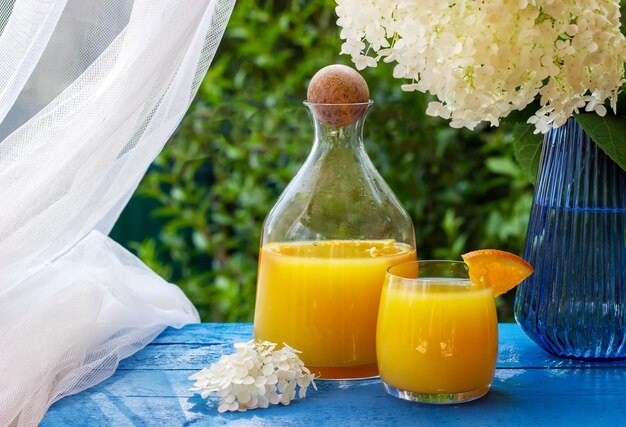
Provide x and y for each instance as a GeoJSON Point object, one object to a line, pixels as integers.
{"type": "Point", "coordinates": [531, 388]}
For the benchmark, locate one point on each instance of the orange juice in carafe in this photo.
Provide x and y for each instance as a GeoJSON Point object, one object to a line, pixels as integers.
{"type": "Point", "coordinates": [327, 294]}
{"type": "Point", "coordinates": [328, 241]}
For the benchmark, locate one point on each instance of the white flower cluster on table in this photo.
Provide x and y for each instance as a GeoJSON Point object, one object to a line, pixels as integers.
{"type": "Point", "coordinates": [484, 59]}
{"type": "Point", "coordinates": [255, 376]}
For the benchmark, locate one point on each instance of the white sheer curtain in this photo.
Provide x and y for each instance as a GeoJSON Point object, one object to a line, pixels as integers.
{"type": "Point", "coordinates": [90, 90]}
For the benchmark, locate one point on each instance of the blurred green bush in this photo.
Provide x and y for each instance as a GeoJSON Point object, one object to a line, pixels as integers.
{"type": "Point", "coordinates": [247, 133]}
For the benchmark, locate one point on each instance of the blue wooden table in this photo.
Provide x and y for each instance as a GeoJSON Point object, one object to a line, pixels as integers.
{"type": "Point", "coordinates": [530, 388]}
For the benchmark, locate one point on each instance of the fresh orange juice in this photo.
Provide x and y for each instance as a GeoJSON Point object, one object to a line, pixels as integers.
{"type": "Point", "coordinates": [437, 336]}
{"type": "Point", "coordinates": [322, 298]}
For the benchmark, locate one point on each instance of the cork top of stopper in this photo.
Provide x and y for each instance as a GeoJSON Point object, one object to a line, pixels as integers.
{"type": "Point", "coordinates": [338, 84]}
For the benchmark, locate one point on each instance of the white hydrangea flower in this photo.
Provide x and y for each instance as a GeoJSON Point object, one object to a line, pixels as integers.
{"type": "Point", "coordinates": [255, 376]}
{"type": "Point", "coordinates": [483, 59]}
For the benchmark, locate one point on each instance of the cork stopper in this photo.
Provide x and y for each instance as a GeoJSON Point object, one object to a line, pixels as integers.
{"type": "Point", "coordinates": [341, 85]}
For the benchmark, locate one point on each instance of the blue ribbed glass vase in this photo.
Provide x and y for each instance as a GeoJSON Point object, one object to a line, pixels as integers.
{"type": "Point", "coordinates": [575, 303]}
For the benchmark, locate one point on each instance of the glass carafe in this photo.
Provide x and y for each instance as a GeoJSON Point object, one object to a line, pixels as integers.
{"type": "Point", "coordinates": [325, 248]}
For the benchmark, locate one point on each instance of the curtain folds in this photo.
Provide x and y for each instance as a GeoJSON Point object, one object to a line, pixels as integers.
{"type": "Point", "coordinates": [90, 91]}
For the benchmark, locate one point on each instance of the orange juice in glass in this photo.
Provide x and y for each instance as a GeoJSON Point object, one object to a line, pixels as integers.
{"type": "Point", "coordinates": [437, 333]}
{"type": "Point", "coordinates": [322, 298]}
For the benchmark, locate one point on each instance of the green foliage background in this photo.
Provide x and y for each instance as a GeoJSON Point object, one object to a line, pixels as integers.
{"type": "Point", "coordinates": [247, 133]}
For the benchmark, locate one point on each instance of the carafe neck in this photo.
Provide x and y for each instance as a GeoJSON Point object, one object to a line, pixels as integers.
{"type": "Point", "coordinates": [338, 125]}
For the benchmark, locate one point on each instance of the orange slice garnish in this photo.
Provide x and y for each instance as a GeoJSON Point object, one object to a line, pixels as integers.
{"type": "Point", "coordinates": [499, 269]}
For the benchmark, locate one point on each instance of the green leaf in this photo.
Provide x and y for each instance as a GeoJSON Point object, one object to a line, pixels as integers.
{"type": "Point", "coordinates": [502, 166]}
{"type": "Point", "coordinates": [527, 149]}
{"type": "Point", "coordinates": [609, 133]}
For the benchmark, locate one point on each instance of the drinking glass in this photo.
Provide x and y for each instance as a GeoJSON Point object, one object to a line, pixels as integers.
{"type": "Point", "coordinates": [437, 333]}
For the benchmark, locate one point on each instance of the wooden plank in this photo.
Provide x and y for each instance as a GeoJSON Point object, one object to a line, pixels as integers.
{"type": "Point", "coordinates": [194, 356]}
{"type": "Point", "coordinates": [517, 350]}
{"type": "Point", "coordinates": [520, 397]}
{"type": "Point", "coordinates": [176, 356]}
{"type": "Point", "coordinates": [197, 346]}
{"type": "Point", "coordinates": [206, 333]}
